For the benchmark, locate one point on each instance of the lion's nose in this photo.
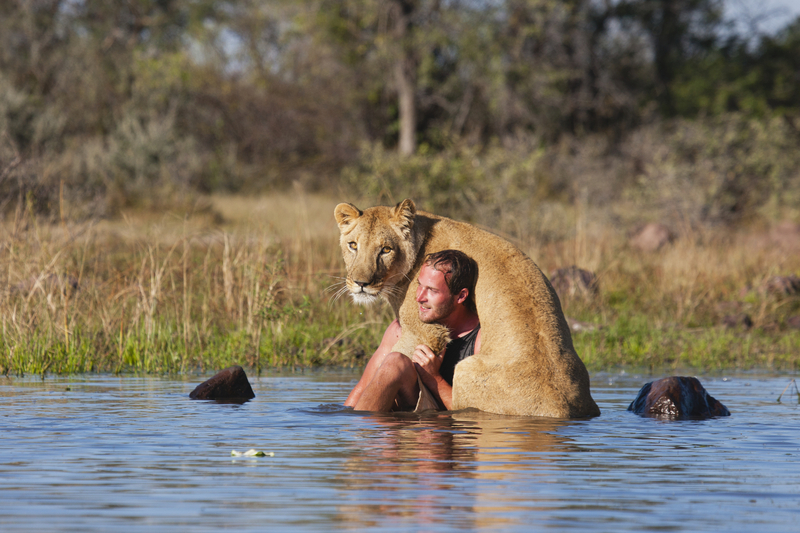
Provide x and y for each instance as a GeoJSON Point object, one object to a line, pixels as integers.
{"type": "Point", "coordinates": [361, 284]}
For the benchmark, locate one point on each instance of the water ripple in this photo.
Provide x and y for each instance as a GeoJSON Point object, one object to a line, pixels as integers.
{"type": "Point", "coordinates": [99, 453]}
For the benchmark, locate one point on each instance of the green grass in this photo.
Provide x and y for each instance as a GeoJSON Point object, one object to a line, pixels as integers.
{"type": "Point", "coordinates": [176, 295]}
{"type": "Point", "coordinates": [307, 333]}
{"type": "Point", "coordinates": [82, 299]}
{"type": "Point", "coordinates": [634, 343]}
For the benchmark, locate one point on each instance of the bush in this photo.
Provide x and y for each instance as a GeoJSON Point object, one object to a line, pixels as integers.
{"type": "Point", "coordinates": [723, 170]}
{"type": "Point", "coordinates": [503, 188]}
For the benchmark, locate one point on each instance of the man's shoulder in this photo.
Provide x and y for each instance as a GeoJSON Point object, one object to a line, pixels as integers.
{"type": "Point", "coordinates": [394, 329]}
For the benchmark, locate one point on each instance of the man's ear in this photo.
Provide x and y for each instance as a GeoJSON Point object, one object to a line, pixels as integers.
{"type": "Point", "coordinates": [462, 296]}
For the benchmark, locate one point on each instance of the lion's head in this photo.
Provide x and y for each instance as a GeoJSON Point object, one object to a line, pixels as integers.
{"type": "Point", "coordinates": [378, 249]}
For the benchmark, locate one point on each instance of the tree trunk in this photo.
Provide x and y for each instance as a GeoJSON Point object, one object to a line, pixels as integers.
{"type": "Point", "coordinates": [404, 77]}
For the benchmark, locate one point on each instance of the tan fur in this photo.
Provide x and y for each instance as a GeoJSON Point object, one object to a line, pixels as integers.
{"type": "Point", "coordinates": [527, 364]}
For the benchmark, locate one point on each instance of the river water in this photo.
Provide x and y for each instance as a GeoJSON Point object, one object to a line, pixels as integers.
{"type": "Point", "coordinates": [123, 453]}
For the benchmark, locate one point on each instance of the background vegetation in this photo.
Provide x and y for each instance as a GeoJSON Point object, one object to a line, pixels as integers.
{"type": "Point", "coordinates": [168, 293]}
{"type": "Point", "coordinates": [563, 125]}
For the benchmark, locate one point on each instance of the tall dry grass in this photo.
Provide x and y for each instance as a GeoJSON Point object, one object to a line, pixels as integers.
{"type": "Point", "coordinates": [247, 281]}
{"type": "Point", "coordinates": [704, 300]}
{"type": "Point", "coordinates": [170, 294]}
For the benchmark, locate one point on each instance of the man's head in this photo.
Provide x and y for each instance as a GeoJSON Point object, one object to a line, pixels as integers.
{"type": "Point", "coordinates": [446, 279]}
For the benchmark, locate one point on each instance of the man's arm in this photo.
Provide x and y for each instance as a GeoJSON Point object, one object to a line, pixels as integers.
{"type": "Point", "coordinates": [390, 338]}
{"type": "Point", "coordinates": [428, 364]}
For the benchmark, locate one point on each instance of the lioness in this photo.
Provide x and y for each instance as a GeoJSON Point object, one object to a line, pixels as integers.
{"type": "Point", "coordinates": [527, 364]}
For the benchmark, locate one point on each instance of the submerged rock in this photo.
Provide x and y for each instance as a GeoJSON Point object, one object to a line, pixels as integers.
{"type": "Point", "coordinates": [676, 397]}
{"type": "Point", "coordinates": [230, 384]}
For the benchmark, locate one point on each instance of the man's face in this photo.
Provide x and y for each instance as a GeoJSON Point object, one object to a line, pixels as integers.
{"type": "Point", "coordinates": [433, 296]}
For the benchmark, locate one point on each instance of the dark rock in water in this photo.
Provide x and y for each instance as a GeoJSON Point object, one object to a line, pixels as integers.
{"type": "Point", "coordinates": [676, 397]}
{"type": "Point", "coordinates": [227, 385]}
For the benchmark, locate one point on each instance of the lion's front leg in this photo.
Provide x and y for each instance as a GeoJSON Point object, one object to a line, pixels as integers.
{"type": "Point", "coordinates": [433, 335]}
{"type": "Point", "coordinates": [416, 332]}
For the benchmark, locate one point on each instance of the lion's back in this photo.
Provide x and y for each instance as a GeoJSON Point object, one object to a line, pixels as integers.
{"type": "Point", "coordinates": [526, 343]}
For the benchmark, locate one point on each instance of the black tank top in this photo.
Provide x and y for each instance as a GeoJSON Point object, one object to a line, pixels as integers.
{"type": "Point", "coordinates": [456, 351]}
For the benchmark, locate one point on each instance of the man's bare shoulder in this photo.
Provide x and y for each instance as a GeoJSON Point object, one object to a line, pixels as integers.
{"type": "Point", "coordinates": [393, 330]}
{"type": "Point", "coordinates": [390, 338]}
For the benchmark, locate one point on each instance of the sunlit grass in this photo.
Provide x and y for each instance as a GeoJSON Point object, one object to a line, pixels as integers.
{"type": "Point", "coordinates": [174, 295]}
{"type": "Point", "coordinates": [253, 281]}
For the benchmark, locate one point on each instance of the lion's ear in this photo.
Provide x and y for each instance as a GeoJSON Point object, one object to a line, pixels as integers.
{"type": "Point", "coordinates": [346, 214]}
{"type": "Point", "coordinates": [403, 215]}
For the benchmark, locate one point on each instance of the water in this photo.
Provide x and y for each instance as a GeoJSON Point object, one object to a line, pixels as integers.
{"type": "Point", "coordinates": [107, 453]}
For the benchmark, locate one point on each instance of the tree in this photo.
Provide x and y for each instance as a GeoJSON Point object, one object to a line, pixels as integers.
{"type": "Point", "coordinates": [677, 31]}
{"type": "Point", "coordinates": [400, 43]}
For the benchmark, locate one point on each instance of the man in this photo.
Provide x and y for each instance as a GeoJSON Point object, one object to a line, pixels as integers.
{"type": "Point", "coordinates": [445, 296]}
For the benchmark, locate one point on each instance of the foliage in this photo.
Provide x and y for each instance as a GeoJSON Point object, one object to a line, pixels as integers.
{"type": "Point", "coordinates": [497, 187]}
{"type": "Point", "coordinates": [179, 295]}
{"type": "Point", "coordinates": [727, 170]}
{"type": "Point", "coordinates": [722, 170]}
{"type": "Point", "coordinates": [77, 300]}
{"type": "Point", "coordinates": [149, 103]}
{"type": "Point", "coordinates": [740, 77]}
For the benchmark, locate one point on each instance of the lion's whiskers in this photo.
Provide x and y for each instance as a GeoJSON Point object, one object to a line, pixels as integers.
{"type": "Point", "coordinates": [392, 290]}
{"type": "Point", "coordinates": [336, 286]}
{"type": "Point", "coordinates": [337, 289]}
{"type": "Point", "coordinates": [338, 294]}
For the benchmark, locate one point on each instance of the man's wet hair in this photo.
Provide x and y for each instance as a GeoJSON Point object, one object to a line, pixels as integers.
{"type": "Point", "coordinates": [460, 272]}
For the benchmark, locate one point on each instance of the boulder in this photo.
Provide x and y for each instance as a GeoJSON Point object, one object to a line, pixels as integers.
{"type": "Point", "coordinates": [782, 285]}
{"type": "Point", "coordinates": [572, 282]}
{"type": "Point", "coordinates": [676, 397]}
{"type": "Point", "coordinates": [230, 384]}
{"type": "Point", "coordinates": [786, 235]}
{"type": "Point", "coordinates": [652, 237]}
{"type": "Point", "coordinates": [737, 321]}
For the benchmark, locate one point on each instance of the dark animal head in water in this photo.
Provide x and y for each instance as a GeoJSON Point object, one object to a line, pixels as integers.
{"type": "Point", "coordinates": [677, 397]}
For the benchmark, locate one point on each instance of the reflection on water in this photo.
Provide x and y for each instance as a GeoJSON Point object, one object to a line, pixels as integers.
{"type": "Point", "coordinates": [127, 453]}
{"type": "Point", "coordinates": [469, 445]}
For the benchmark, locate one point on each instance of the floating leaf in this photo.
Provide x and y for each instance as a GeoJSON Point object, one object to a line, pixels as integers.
{"type": "Point", "coordinates": [252, 453]}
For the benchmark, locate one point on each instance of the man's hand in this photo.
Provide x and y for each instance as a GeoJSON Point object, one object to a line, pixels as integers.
{"type": "Point", "coordinates": [427, 363]}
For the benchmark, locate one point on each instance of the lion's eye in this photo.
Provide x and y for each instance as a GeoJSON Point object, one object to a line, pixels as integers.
{"type": "Point", "coordinates": [385, 250]}
{"type": "Point", "coordinates": [353, 245]}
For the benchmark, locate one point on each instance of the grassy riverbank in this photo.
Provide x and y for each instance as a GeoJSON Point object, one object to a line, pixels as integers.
{"type": "Point", "coordinates": [244, 284]}
{"type": "Point", "coordinates": [253, 281]}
